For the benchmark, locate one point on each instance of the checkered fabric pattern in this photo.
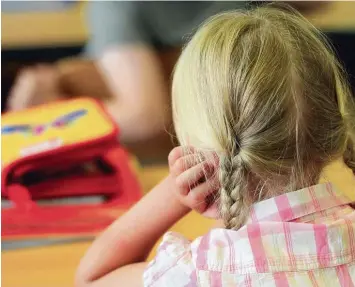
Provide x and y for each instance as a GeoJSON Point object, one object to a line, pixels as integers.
{"type": "Point", "coordinates": [302, 238]}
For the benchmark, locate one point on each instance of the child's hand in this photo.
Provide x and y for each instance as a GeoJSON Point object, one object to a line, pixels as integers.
{"type": "Point", "coordinates": [196, 179]}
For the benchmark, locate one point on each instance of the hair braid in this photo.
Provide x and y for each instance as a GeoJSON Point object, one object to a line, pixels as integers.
{"type": "Point", "coordinates": [234, 202]}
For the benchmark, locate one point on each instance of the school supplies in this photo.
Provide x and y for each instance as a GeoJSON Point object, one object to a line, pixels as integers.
{"type": "Point", "coordinates": [64, 173]}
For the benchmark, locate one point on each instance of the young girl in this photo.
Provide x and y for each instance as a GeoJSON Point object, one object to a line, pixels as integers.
{"type": "Point", "coordinates": [260, 106]}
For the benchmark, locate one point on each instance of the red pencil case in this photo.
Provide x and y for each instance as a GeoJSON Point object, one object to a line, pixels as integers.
{"type": "Point", "coordinates": [86, 163]}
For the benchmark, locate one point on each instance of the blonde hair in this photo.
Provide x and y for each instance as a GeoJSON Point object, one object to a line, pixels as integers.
{"type": "Point", "coordinates": [263, 89]}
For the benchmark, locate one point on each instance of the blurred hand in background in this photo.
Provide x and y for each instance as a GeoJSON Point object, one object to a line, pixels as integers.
{"type": "Point", "coordinates": [35, 86]}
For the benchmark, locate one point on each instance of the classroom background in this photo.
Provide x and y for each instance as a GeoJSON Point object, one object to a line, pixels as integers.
{"type": "Point", "coordinates": [45, 32]}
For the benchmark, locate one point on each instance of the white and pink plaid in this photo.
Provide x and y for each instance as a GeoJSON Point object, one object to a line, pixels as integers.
{"type": "Point", "coordinates": [302, 238]}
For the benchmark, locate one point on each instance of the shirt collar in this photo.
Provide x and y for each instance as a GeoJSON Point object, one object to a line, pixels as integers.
{"type": "Point", "coordinates": [296, 204]}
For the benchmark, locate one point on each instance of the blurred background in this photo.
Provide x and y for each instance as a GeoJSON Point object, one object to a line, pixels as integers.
{"type": "Point", "coordinates": [123, 54]}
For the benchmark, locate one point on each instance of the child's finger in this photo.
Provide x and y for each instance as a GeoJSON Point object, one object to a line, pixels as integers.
{"type": "Point", "coordinates": [188, 179]}
{"type": "Point", "coordinates": [175, 154]}
{"type": "Point", "coordinates": [205, 189]}
{"type": "Point", "coordinates": [184, 163]}
{"type": "Point", "coordinates": [179, 152]}
{"type": "Point", "coordinates": [199, 198]}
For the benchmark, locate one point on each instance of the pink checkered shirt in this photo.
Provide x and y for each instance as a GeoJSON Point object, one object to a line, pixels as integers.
{"type": "Point", "coordinates": [302, 238]}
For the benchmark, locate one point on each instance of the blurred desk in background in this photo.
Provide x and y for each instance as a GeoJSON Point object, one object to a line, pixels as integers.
{"type": "Point", "coordinates": [67, 26]}
{"type": "Point", "coordinates": [44, 27]}
{"type": "Point", "coordinates": [334, 16]}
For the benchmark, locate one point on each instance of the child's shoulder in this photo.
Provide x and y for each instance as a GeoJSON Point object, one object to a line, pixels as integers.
{"type": "Point", "coordinates": [178, 258]}
{"type": "Point", "coordinates": [176, 247]}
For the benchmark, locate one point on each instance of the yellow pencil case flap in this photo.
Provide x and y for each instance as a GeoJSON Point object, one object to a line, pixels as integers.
{"type": "Point", "coordinates": [52, 127]}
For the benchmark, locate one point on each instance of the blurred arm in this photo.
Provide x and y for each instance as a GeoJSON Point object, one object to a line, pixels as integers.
{"type": "Point", "coordinates": [131, 81]}
{"type": "Point", "coordinates": [132, 71]}
{"type": "Point", "coordinates": [140, 102]}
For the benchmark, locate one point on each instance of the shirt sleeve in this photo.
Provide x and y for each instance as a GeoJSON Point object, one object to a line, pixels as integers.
{"type": "Point", "coordinates": [115, 23]}
{"type": "Point", "coordinates": [173, 265]}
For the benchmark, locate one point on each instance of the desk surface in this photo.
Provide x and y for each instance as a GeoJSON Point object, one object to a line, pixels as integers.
{"type": "Point", "coordinates": [67, 27]}
{"type": "Point", "coordinates": [55, 265]}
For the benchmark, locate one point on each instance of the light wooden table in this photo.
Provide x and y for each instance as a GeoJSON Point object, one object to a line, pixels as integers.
{"type": "Point", "coordinates": [68, 27]}
{"type": "Point", "coordinates": [54, 266]}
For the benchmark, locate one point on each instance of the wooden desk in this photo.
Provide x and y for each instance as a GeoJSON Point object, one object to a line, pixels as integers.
{"type": "Point", "coordinates": [40, 29]}
{"type": "Point", "coordinates": [55, 266]}
{"type": "Point", "coordinates": [68, 27]}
